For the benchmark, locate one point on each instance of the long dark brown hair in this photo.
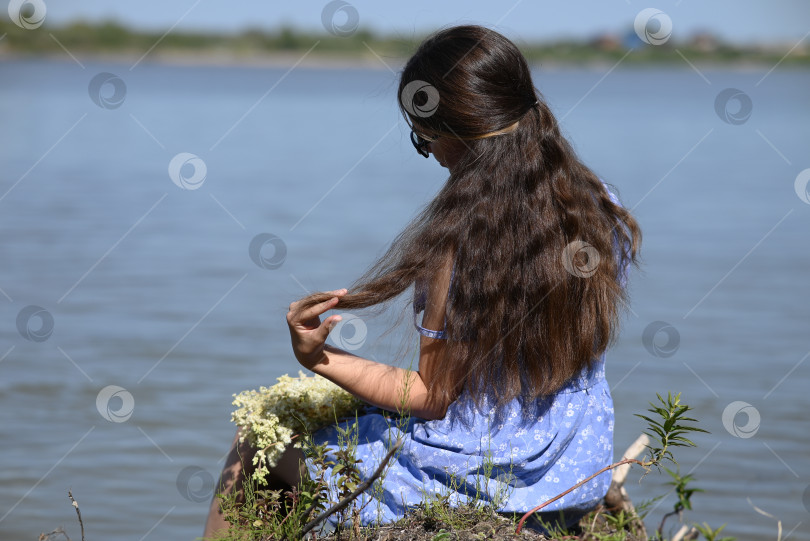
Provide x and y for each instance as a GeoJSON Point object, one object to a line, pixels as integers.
{"type": "Point", "coordinates": [538, 245]}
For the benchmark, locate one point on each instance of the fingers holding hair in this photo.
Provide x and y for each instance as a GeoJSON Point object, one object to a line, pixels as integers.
{"type": "Point", "coordinates": [299, 315]}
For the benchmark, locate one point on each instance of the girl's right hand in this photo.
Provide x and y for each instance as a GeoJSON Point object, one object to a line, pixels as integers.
{"type": "Point", "coordinates": [307, 332]}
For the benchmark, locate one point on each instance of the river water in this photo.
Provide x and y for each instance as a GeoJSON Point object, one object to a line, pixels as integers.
{"type": "Point", "coordinates": [150, 309]}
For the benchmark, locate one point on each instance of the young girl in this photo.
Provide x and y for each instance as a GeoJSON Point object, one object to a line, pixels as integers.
{"type": "Point", "coordinates": [519, 265]}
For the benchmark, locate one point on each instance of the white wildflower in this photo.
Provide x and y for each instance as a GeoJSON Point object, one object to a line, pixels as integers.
{"type": "Point", "coordinates": [270, 418]}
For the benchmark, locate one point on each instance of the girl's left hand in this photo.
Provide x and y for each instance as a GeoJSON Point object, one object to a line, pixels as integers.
{"type": "Point", "coordinates": [308, 333]}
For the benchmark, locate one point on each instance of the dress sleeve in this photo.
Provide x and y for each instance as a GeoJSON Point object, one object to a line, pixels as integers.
{"type": "Point", "coordinates": [419, 300]}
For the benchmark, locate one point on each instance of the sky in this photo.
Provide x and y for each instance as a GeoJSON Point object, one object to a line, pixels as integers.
{"type": "Point", "coordinates": [738, 21]}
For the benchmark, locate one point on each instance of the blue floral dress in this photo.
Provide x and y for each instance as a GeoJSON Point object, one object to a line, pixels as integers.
{"type": "Point", "coordinates": [515, 458]}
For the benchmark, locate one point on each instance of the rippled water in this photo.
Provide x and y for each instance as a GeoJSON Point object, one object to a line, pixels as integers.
{"type": "Point", "coordinates": [152, 288]}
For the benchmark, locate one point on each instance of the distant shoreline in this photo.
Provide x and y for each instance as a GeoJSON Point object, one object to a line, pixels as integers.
{"type": "Point", "coordinates": [286, 47]}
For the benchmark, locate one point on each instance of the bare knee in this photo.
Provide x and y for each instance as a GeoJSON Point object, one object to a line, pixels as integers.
{"type": "Point", "coordinates": [290, 467]}
{"type": "Point", "coordinates": [238, 469]}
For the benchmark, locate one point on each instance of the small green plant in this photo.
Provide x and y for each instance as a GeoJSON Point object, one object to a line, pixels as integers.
{"type": "Point", "coordinates": [345, 472]}
{"type": "Point", "coordinates": [710, 534]}
{"type": "Point", "coordinates": [619, 535]}
{"type": "Point", "coordinates": [669, 430]}
{"type": "Point", "coordinates": [555, 530]}
{"type": "Point", "coordinates": [621, 520]}
{"type": "Point", "coordinates": [643, 509]}
{"type": "Point", "coordinates": [437, 511]}
{"type": "Point", "coordinates": [463, 503]}
{"type": "Point", "coordinates": [684, 494]}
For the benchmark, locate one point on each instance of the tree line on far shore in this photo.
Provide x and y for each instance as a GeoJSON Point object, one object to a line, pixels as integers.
{"type": "Point", "coordinates": [111, 37]}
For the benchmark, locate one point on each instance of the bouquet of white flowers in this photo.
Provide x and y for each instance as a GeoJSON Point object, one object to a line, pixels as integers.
{"type": "Point", "coordinates": [270, 417]}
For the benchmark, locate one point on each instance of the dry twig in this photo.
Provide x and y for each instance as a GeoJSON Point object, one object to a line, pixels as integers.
{"type": "Point", "coordinates": [79, 513]}
{"type": "Point", "coordinates": [51, 536]}
{"type": "Point", "coordinates": [636, 448]}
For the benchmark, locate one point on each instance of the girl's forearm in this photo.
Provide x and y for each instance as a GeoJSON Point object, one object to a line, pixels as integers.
{"type": "Point", "coordinates": [387, 387]}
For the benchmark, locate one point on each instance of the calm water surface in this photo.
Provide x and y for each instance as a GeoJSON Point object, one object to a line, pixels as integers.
{"type": "Point", "coordinates": [151, 288]}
